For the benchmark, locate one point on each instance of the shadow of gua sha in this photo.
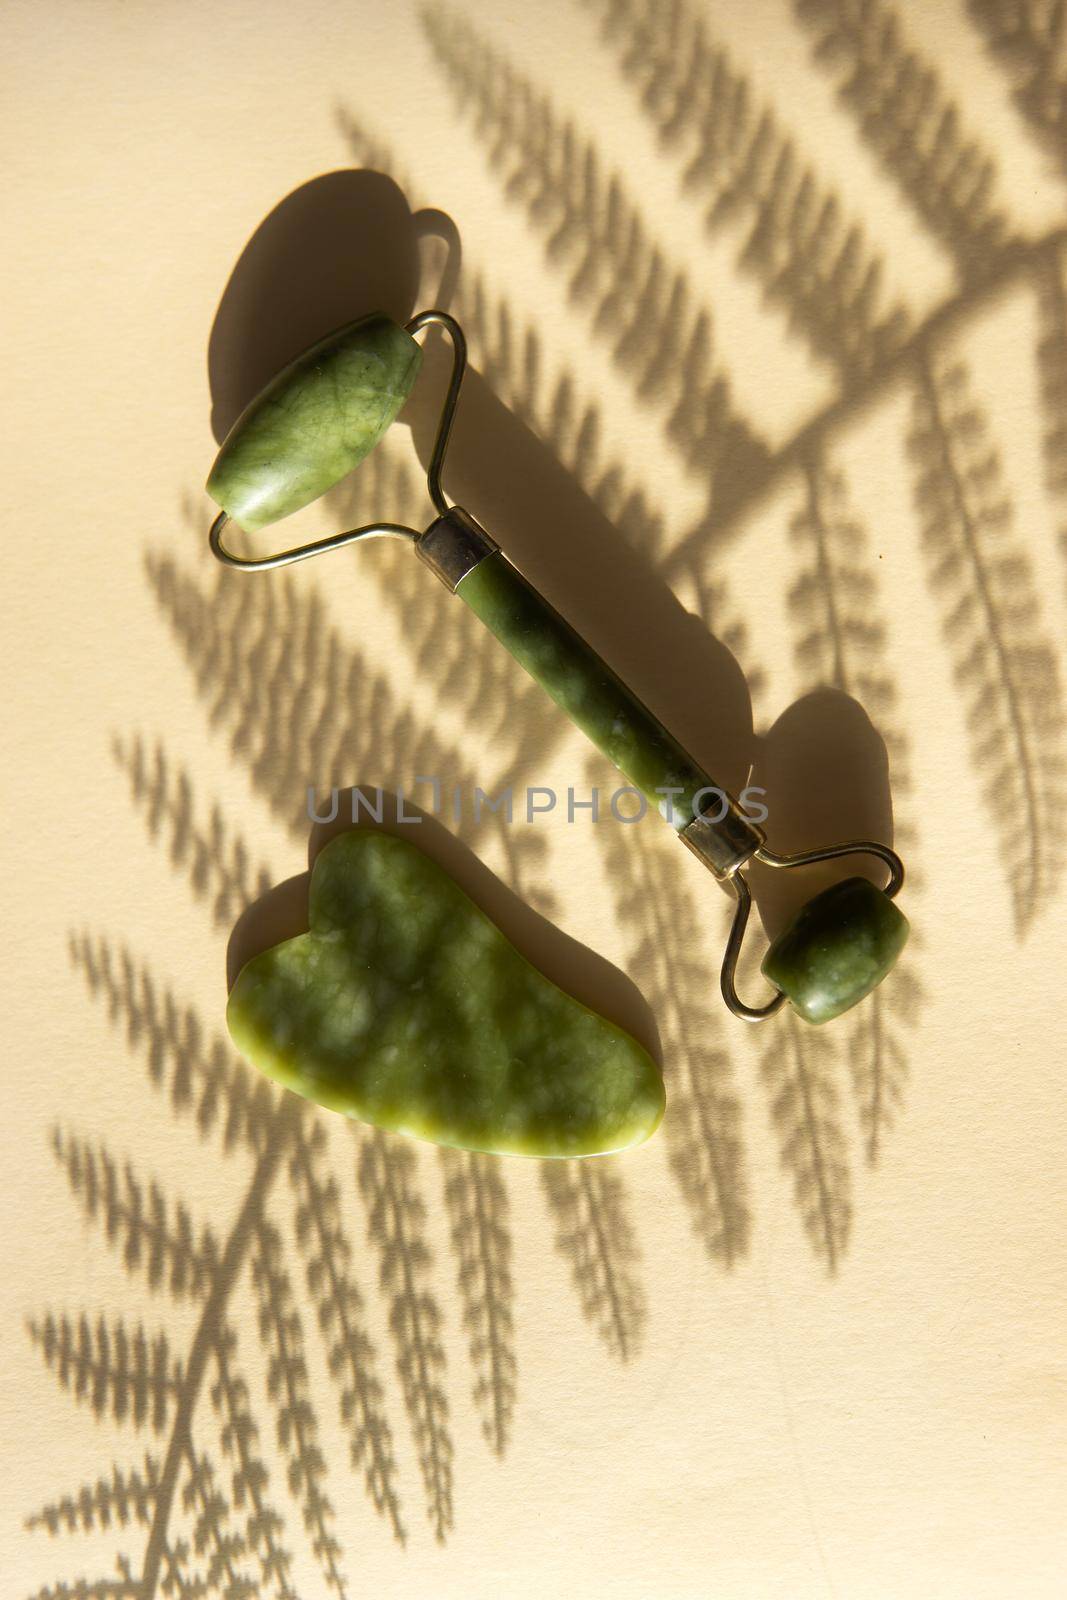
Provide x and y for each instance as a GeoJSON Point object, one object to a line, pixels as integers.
{"type": "Point", "coordinates": [282, 913]}
{"type": "Point", "coordinates": [338, 247]}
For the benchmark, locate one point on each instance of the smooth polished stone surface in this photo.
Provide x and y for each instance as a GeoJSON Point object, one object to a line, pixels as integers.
{"type": "Point", "coordinates": [406, 1007]}
{"type": "Point", "coordinates": [314, 422]}
{"type": "Point", "coordinates": [837, 949]}
{"type": "Point", "coordinates": [584, 686]}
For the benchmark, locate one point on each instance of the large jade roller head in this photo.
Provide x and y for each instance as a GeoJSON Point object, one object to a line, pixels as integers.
{"type": "Point", "coordinates": [315, 422]}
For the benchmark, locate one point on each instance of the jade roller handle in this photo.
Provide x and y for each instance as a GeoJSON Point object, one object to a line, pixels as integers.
{"type": "Point", "coordinates": [472, 565]}
{"type": "Point", "coordinates": [841, 944]}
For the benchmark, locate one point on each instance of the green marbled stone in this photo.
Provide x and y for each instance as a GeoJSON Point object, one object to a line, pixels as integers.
{"type": "Point", "coordinates": [584, 685]}
{"type": "Point", "coordinates": [314, 422]}
{"type": "Point", "coordinates": [837, 949]}
{"type": "Point", "coordinates": [406, 1007]}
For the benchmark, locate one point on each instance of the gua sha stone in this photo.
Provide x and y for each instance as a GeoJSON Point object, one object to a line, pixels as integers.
{"type": "Point", "coordinates": [406, 1007]}
{"type": "Point", "coordinates": [314, 422]}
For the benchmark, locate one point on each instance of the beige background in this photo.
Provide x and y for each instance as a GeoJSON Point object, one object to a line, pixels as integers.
{"type": "Point", "coordinates": [809, 1341]}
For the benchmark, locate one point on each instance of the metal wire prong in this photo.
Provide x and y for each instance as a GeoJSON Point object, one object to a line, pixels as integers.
{"type": "Point", "coordinates": [285, 558]}
{"type": "Point", "coordinates": [733, 950]}
{"type": "Point", "coordinates": [442, 319]}
{"type": "Point", "coordinates": [858, 847]}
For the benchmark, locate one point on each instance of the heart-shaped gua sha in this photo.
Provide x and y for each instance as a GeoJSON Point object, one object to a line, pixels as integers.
{"type": "Point", "coordinates": [406, 1007]}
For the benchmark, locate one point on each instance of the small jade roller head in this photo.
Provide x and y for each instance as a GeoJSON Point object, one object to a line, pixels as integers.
{"type": "Point", "coordinates": [837, 948]}
{"type": "Point", "coordinates": [316, 421]}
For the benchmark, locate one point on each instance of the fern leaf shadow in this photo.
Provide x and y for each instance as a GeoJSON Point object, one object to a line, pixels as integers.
{"type": "Point", "coordinates": [1029, 39]}
{"type": "Point", "coordinates": [593, 1229]}
{"type": "Point", "coordinates": [903, 113]}
{"type": "Point", "coordinates": [841, 642]}
{"type": "Point", "coordinates": [1051, 288]}
{"type": "Point", "coordinates": [230, 1559]}
{"type": "Point", "coordinates": [214, 858]}
{"type": "Point", "coordinates": [396, 1215]}
{"type": "Point", "coordinates": [340, 1302]}
{"type": "Point", "coordinates": [702, 1124]}
{"type": "Point", "coordinates": [811, 260]}
{"type": "Point", "coordinates": [158, 1238]}
{"type": "Point", "coordinates": [264, 1527]}
{"type": "Point", "coordinates": [213, 1536]}
{"type": "Point", "coordinates": [797, 1067]}
{"type": "Point", "coordinates": [1005, 667]}
{"type": "Point", "coordinates": [477, 1204]}
{"type": "Point", "coordinates": [281, 1329]}
{"type": "Point", "coordinates": [642, 308]}
{"type": "Point", "coordinates": [304, 709]}
{"type": "Point", "coordinates": [120, 1372]}
{"type": "Point", "coordinates": [125, 1498]}
{"type": "Point", "coordinates": [195, 1068]}
{"type": "Point", "coordinates": [203, 1079]}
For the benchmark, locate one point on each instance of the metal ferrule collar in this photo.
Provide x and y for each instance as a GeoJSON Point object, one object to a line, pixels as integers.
{"type": "Point", "coordinates": [724, 844]}
{"type": "Point", "coordinates": [453, 545]}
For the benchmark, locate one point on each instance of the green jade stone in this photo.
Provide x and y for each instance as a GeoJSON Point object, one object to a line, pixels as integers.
{"type": "Point", "coordinates": [406, 1007]}
{"type": "Point", "coordinates": [314, 422]}
{"type": "Point", "coordinates": [838, 947]}
{"type": "Point", "coordinates": [586, 688]}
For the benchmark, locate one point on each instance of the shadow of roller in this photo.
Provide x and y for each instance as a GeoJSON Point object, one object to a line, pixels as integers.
{"type": "Point", "coordinates": [825, 769]}
{"type": "Point", "coordinates": [344, 243]}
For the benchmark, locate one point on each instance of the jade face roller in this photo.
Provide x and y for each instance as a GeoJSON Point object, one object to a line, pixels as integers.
{"type": "Point", "coordinates": [316, 421]}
